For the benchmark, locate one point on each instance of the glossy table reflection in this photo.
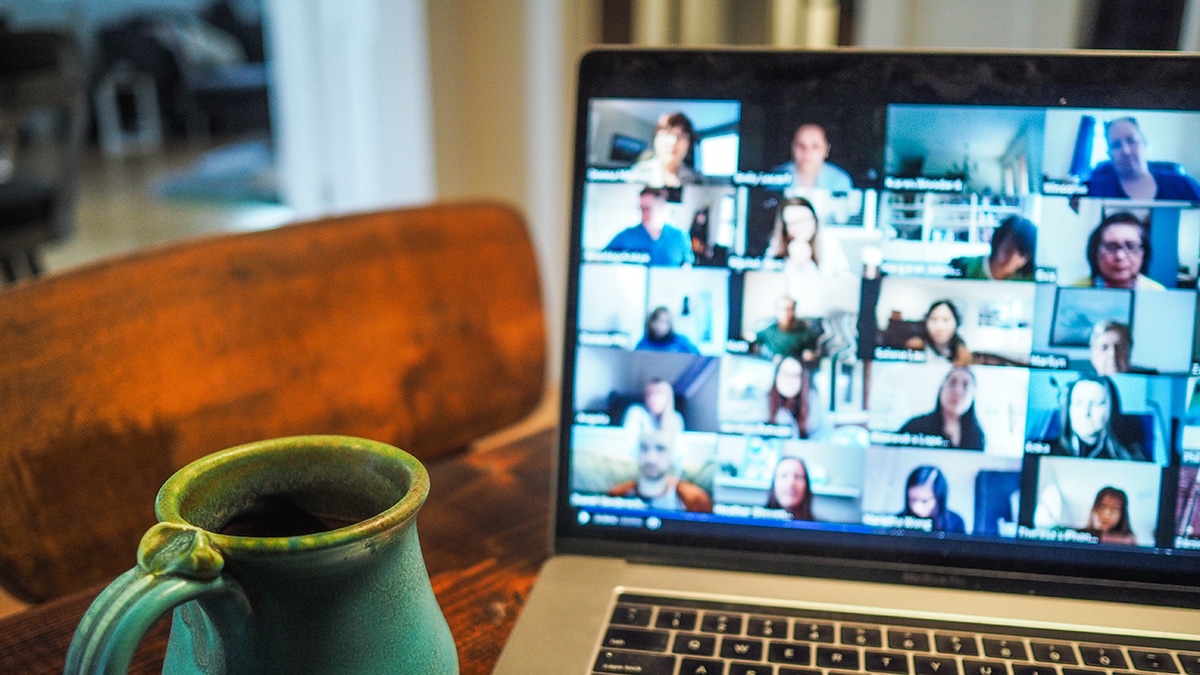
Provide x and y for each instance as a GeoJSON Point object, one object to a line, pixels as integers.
{"type": "Point", "coordinates": [484, 532]}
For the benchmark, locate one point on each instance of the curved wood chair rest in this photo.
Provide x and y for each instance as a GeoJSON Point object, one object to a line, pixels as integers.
{"type": "Point", "coordinates": [420, 327]}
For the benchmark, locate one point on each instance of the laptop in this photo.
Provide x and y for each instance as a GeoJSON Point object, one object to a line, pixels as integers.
{"type": "Point", "coordinates": [878, 362]}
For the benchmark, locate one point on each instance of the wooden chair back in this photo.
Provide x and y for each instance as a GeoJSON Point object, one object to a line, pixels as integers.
{"type": "Point", "coordinates": [421, 327]}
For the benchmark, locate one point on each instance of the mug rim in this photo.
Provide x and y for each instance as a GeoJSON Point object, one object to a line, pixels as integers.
{"type": "Point", "coordinates": [171, 495]}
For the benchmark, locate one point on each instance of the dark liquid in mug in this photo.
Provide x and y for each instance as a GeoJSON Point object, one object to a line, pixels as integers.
{"type": "Point", "coordinates": [279, 516]}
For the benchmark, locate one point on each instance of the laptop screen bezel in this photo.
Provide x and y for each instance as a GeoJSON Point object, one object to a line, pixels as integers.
{"type": "Point", "coordinates": [1076, 79]}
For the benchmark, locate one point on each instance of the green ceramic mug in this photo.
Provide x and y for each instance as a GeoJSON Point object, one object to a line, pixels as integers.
{"type": "Point", "coordinates": [291, 555]}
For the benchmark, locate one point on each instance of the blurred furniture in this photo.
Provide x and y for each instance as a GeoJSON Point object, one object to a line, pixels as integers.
{"type": "Point", "coordinates": [484, 533]}
{"type": "Point", "coordinates": [422, 328]}
{"type": "Point", "coordinates": [207, 70]}
{"type": "Point", "coordinates": [127, 114]}
{"type": "Point", "coordinates": [43, 121]}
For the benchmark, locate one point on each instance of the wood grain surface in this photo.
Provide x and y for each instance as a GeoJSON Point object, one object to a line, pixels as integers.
{"type": "Point", "coordinates": [484, 532]}
{"type": "Point", "coordinates": [418, 327]}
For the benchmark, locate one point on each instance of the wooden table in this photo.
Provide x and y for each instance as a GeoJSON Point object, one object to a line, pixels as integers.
{"type": "Point", "coordinates": [484, 532]}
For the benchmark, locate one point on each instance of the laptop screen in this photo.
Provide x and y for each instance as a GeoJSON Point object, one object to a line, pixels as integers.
{"type": "Point", "coordinates": [930, 311]}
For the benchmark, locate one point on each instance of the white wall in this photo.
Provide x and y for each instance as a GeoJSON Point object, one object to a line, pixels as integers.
{"type": "Point", "coordinates": [352, 109]}
{"type": "Point", "coordinates": [383, 103]}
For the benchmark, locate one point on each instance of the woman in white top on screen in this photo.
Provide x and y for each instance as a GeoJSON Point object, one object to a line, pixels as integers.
{"type": "Point", "coordinates": [657, 410]}
{"type": "Point", "coordinates": [669, 162]}
{"type": "Point", "coordinates": [797, 240]}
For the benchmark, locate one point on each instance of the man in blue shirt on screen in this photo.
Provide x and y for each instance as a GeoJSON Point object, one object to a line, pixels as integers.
{"type": "Point", "coordinates": [667, 246]}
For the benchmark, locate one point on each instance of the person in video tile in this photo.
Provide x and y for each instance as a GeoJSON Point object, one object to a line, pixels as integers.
{"type": "Point", "coordinates": [790, 489]}
{"type": "Point", "coordinates": [1109, 347]}
{"type": "Point", "coordinates": [1109, 518]}
{"type": "Point", "coordinates": [657, 409]}
{"type": "Point", "coordinates": [1118, 253]}
{"type": "Point", "coordinates": [939, 337]}
{"type": "Point", "coordinates": [656, 483]}
{"type": "Point", "coordinates": [660, 335]}
{"type": "Point", "coordinates": [1013, 245]}
{"type": "Point", "coordinates": [796, 240]}
{"type": "Point", "coordinates": [788, 335]}
{"type": "Point", "coordinates": [667, 245]}
{"type": "Point", "coordinates": [787, 402]}
{"type": "Point", "coordinates": [1093, 426]}
{"type": "Point", "coordinates": [810, 167]}
{"type": "Point", "coordinates": [668, 164]}
{"type": "Point", "coordinates": [953, 417]}
{"type": "Point", "coordinates": [925, 497]}
{"type": "Point", "coordinates": [1130, 174]}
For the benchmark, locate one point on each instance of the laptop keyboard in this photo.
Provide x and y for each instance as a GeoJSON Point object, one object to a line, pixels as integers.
{"type": "Point", "coordinates": [668, 636]}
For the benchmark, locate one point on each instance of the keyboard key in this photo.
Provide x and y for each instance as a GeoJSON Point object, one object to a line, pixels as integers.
{"type": "Point", "coordinates": [631, 615]}
{"type": "Point", "coordinates": [701, 667]}
{"type": "Point", "coordinates": [612, 661]}
{"type": "Point", "coordinates": [934, 665]}
{"type": "Point", "coordinates": [963, 645]}
{"type": "Point", "coordinates": [1152, 662]}
{"type": "Point", "coordinates": [885, 662]}
{"type": "Point", "coordinates": [1001, 648]}
{"type": "Point", "coordinates": [670, 640]}
{"type": "Point", "coordinates": [1049, 652]}
{"type": "Point", "coordinates": [909, 640]}
{"type": "Point", "coordinates": [767, 626]}
{"type": "Point", "coordinates": [834, 657]}
{"type": "Point", "coordinates": [743, 649]}
{"type": "Point", "coordinates": [860, 636]}
{"type": "Point", "coordinates": [728, 624]}
{"type": "Point", "coordinates": [1103, 657]}
{"type": "Point", "coordinates": [676, 619]}
{"type": "Point", "coordinates": [1029, 669]}
{"type": "Point", "coordinates": [695, 645]}
{"type": "Point", "coordinates": [1190, 662]}
{"type": "Point", "coordinates": [632, 638]}
{"type": "Point", "coordinates": [810, 631]}
{"type": "Point", "coordinates": [973, 667]}
{"type": "Point", "coordinates": [750, 669]}
{"type": "Point", "coordinates": [792, 653]}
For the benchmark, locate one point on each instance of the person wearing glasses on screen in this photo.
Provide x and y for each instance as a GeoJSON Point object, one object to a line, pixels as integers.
{"type": "Point", "coordinates": [810, 167]}
{"type": "Point", "coordinates": [1129, 173]}
{"type": "Point", "coordinates": [1118, 253]}
{"type": "Point", "coordinates": [1093, 426]}
{"type": "Point", "coordinates": [668, 164]}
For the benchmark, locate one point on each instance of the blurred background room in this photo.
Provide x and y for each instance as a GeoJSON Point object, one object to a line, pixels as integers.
{"type": "Point", "coordinates": [205, 116]}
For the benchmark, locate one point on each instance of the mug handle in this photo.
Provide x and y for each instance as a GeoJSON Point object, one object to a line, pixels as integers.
{"type": "Point", "coordinates": [176, 563]}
